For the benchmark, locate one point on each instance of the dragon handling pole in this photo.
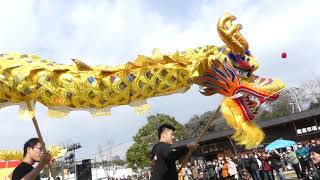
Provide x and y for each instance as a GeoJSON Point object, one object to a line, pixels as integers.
{"type": "Point", "coordinates": [203, 132]}
{"type": "Point", "coordinates": [35, 123]}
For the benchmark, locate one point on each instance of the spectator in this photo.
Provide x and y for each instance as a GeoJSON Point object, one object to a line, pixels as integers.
{"type": "Point", "coordinates": [254, 167]}
{"type": "Point", "coordinates": [266, 167]}
{"type": "Point", "coordinates": [303, 156]}
{"type": "Point", "coordinates": [315, 154]}
{"type": "Point", "coordinates": [313, 143]}
{"type": "Point", "coordinates": [218, 168]}
{"type": "Point", "coordinates": [247, 163]}
{"type": "Point", "coordinates": [276, 164]}
{"type": "Point", "coordinates": [232, 169]}
{"type": "Point", "coordinates": [194, 171]}
{"type": "Point", "coordinates": [315, 158]}
{"type": "Point", "coordinates": [294, 161]}
{"type": "Point", "coordinates": [240, 162]}
{"type": "Point", "coordinates": [187, 173]}
{"type": "Point", "coordinates": [245, 175]}
{"type": "Point", "coordinates": [181, 173]}
{"type": "Point", "coordinates": [225, 174]}
{"type": "Point", "coordinates": [211, 171]}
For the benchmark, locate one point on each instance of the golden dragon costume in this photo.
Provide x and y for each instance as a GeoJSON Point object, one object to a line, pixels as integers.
{"type": "Point", "coordinates": [227, 70]}
{"type": "Point", "coordinates": [7, 155]}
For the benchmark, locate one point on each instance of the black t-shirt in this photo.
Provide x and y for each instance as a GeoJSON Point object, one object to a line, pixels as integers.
{"type": "Point", "coordinates": [22, 170]}
{"type": "Point", "coordinates": [163, 162]}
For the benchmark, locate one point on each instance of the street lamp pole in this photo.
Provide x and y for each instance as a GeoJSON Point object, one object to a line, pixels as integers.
{"type": "Point", "coordinates": [72, 156]}
{"type": "Point", "coordinates": [296, 98]}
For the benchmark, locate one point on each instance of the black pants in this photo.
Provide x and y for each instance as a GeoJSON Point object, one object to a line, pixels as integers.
{"type": "Point", "coordinates": [233, 177]}
{"type": "Point", "coordinates": [305, 165]}
{"type": "Point", "coordinates": [297, 169]}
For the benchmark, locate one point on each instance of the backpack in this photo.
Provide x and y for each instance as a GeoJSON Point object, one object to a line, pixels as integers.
{"type": "Point", "coordinates": [211, 172]}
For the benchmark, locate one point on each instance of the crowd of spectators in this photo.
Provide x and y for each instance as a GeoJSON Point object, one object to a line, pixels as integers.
{"type": "Point", "coordinates": [256, 165]}
{"type": "Point", "coordinates": [252, 165]}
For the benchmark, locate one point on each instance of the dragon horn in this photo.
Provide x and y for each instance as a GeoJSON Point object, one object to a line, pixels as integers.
{"type": "Point", "coordinates": [230, 34]}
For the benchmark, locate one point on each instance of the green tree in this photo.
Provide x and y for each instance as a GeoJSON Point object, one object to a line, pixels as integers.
{"type": "Point", "coordinates": [138, 155]}
{"type": "Point", "coordinates": [197, 123]}
{"type": "Point", "coordinates": [315, 104]}
{"type": "Point", "coordinates": [278, 108]}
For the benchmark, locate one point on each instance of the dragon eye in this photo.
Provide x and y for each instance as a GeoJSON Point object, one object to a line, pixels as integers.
{"type": "Point", "coordinates": [231, 56]}
{"type": "Point", "coordinates": [244, 73]}
{"type": "Point", "coordinates": [248, 53]}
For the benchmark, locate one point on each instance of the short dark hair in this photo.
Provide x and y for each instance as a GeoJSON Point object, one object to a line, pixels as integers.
{"type": "Point", "coordinates": [163, 127]}
{"type": "Point", "coordinates": [315, 149]}
{"type": "Point", "coordinates": [31, 143]}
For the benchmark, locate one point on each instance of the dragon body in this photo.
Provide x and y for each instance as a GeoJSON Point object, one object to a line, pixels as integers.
{"type": "Point", "coordinates": [227, 70]}
{"type": "Point", "coordinates": [8, 155]}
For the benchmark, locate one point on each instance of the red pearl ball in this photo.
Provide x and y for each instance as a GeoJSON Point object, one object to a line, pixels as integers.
{"type": "Point", "coordinates": [284, 55]}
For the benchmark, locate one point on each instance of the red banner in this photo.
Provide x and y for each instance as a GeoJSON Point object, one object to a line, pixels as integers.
{"type": "Point", "coordinates": [6, 168]}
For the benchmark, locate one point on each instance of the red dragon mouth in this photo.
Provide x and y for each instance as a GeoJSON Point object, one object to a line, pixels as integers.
{"type": "Point", "coordinates": [250, 100]}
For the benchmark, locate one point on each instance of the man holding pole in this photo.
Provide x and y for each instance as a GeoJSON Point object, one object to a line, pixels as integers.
{"type": "Point", "coordinates": [163, 157]}
{"type": "Point", "coordinates": [32, 152]}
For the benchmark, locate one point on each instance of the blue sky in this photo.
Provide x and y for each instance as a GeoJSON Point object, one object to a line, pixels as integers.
{"type": "Point", "coordinates": [114, 32]}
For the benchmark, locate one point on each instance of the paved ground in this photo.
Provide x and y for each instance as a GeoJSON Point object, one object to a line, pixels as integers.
{"type": "Point", "coordinates": [290, 175]}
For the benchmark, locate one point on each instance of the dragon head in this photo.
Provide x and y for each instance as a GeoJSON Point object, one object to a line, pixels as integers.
{"type": "Point", "coordinates": [231, 73]}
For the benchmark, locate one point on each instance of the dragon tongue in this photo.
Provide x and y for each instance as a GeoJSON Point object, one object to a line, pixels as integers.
{"type": "Point", "coordinates": [262, 100]}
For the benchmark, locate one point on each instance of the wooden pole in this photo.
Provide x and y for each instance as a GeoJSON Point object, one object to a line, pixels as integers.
{"type": "Point", "coordinates": [35, 123]}
{"type": "Point", "coordinates": [233, 146]}
{"type": "Point", "coordinates": [203, 132]}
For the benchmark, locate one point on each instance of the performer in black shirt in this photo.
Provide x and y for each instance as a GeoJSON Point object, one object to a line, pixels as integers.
{"type": "Point", "coordinates": [163, 157]}
{"type": "Point", "coordinates": [32, 152]}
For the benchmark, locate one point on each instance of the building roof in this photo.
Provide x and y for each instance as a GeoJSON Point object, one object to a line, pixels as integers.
{"type": "Point", "coordinates": [263, 124]}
